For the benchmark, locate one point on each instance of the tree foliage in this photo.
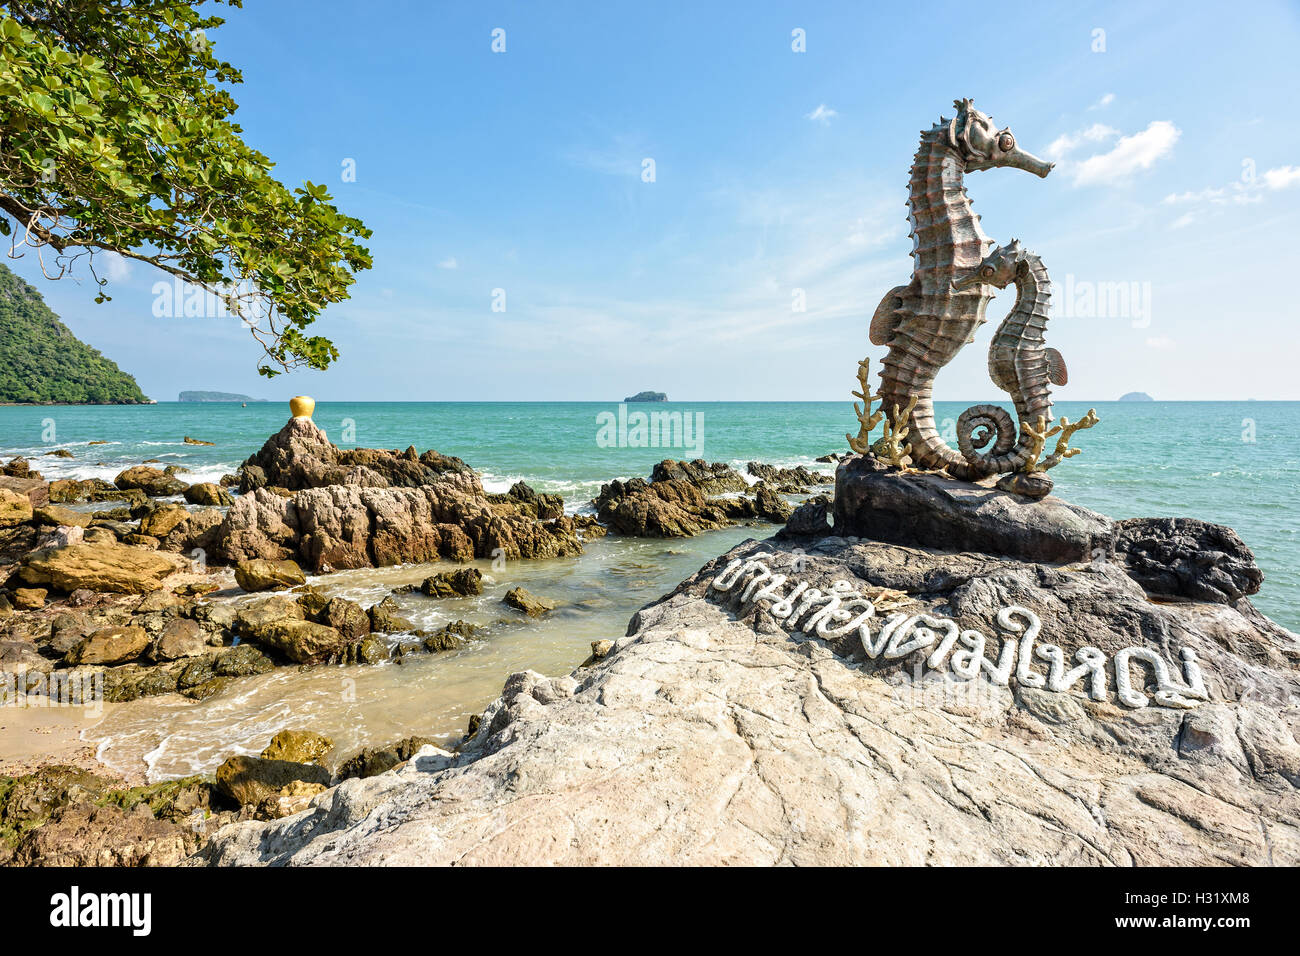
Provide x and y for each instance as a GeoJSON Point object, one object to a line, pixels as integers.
{"type": "Point", "coordinates": [117, 136]}
{"type": "Point", "coordinates": [42, 361]}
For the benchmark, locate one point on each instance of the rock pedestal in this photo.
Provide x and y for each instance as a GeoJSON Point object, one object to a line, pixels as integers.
{"type": "Point", "coordinates": [884, 504]}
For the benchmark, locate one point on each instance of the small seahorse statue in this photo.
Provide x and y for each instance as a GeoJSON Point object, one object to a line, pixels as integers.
{"type": "Point", "coordinates": [1020, 363]}
{"type": "Point", "coordinates": [926, 322]}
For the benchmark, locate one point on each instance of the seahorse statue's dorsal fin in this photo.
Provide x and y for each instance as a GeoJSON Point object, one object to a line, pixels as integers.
{"type": "Point", "coordinates": [1056, 371]}
{"type": "Point", "coordinates": [886, 318]}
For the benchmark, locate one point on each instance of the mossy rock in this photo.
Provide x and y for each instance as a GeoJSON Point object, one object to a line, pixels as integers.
{"type": "Point", "coordinates": [300, 746]}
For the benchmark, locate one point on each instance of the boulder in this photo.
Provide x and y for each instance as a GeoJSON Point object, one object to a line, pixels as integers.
{"type": "Point", "coordinates": [303, 642]}
{"type": "Point", "coordinates": [57, 515]}
{"type": "Point", "coordinates": [293, 798]}
{"type": "Point", "coordinates": [200, 529]}
{"type": "Point", "coordinates": [346, 617]}
{"type": "Point", "coordinates": [524, 600]}
{"type": "Point", "coordinates": [811, 519]}
{"type": "Point", "coordinates": [386, 618]}
{"type": "Point", "coordinates": [462, 582]}
{"type": "Point", "coordinates": [110, 645]}
{"type": "Point", "coordinates": [449, 637]}
{"type": "Point", "coordinates": [250, 780]}
{"type": "Point", "coordinates": [180, 637]}
{"type": "Point", "coordinates": [369, 650]}
{"type": "Point", "coordinates": [299, 746]}
{"type": "Point", "coordinates": [36, 491]}
{"type": "Point", "coordinates": [340, 527]}
{"type": "Point", "coordinates": [208, 493]}
{"type": "Point", "coordinates": [154, 483]}
{"type": "Point", "coordinates": [252, 618]}
{"type": "Point", "coordinates": [884, 504]}
{"type": "Point", "coordinates": [99, 567]}
{"type": "Point", "coordinates": [29, 599]}
{"type": "Point", "coordinates": [259, 574]}
{"type": "Point", "coordinates": [373, 761]}
{"type": "Point", "coordinates": [1188, 558]}
{"type": "Point", "coordinates": [15, 508]}
{"type": "Point", "coordinates": [769, 505]}
{"type": "Point", "coordinates": [159, 522]}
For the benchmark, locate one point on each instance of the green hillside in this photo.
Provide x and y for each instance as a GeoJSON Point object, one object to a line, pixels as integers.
{"type": "Point", "coordinates": [42, 361]}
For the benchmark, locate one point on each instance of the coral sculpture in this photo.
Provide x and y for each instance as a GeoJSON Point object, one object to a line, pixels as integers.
{"type": "Point", "coordinates": [867, 419]}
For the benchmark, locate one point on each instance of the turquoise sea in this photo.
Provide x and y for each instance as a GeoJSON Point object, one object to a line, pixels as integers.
{"type": "Point", "coordinates": [1236, 463]}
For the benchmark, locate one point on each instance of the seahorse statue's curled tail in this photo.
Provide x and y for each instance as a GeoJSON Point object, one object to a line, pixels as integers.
{"type": "Point", "coordinates": [926, 322]}
{"type": "Point", "coordinates": [1020, 362]}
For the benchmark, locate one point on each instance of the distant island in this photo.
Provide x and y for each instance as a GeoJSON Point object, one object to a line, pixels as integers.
{"type": "Point", "coordinates": [216, 397]}
{"type": "Point", "coordinates": [43, 363]}
{"type": "Point", "coordinates": [1136, 397]}
{"type": "Point", "coordinates": [647, 397]}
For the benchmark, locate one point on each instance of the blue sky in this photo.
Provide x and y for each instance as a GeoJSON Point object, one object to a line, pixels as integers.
{"type": "Point", "coordinates": [1178, 149]}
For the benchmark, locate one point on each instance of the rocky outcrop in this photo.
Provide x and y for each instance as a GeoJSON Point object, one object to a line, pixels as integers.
{"type": "Point", "coordinates": [660, 509]}
{"type": "Point", "coordinates": [788, 481]}
{"type": "Point", "coordinates": [333, 509]}
{"type": "Point", "coordinates": [686, 498]}
{"type": "Point", "coordinates": [874, 501]}
{"type": "Point", "coordinates": [88, 835]}
{"type": "Point", "coordinates": [65, 816]}
{"type": "Point", "coordinates": [342, 527]}
{"type": "Point", "coordinates": [717, 732]}
{"type": "Point", "coordinates": [712, 479]}
{"type": "Point", "coordinates": [301, 456]}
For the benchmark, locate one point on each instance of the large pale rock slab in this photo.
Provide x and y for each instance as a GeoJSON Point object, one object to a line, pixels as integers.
{"type": "Point", "coordinates": [707, 736]}
{"type": "Point", "coordinates": [100, 567]}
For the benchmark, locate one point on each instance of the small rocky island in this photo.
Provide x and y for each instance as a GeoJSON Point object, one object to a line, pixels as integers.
{"type": "Point", "coordinates": [1136, 397]}
{"type": "Point", "coordinates": [200, 396]}
{"type": "Point", "coordinates": [647, 397]}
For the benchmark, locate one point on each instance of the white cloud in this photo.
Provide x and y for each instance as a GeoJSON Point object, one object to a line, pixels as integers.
{"type": "Point", "coordinates": [822, 114]}
{"type": "Point", "coordinates": [1282, 177]}
{"type": "Point", "coordinates": [449, 263]}
{"type": "Point", "coordinates": [1068, 142]}
{"type": "Point", "coordinates": [1240, 193]}
{"type": "Point", "coordinates": [1104, 102]}
{"type": "Point", "coordinates": [112, 266]}
{"type": "Point", "coordinates": [1129, 155]}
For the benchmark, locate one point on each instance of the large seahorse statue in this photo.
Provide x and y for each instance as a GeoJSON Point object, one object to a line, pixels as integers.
{"type": "Point", "coordinates": [1020, 362]}
{"type": "Point", "coordinates": [926, 322]}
